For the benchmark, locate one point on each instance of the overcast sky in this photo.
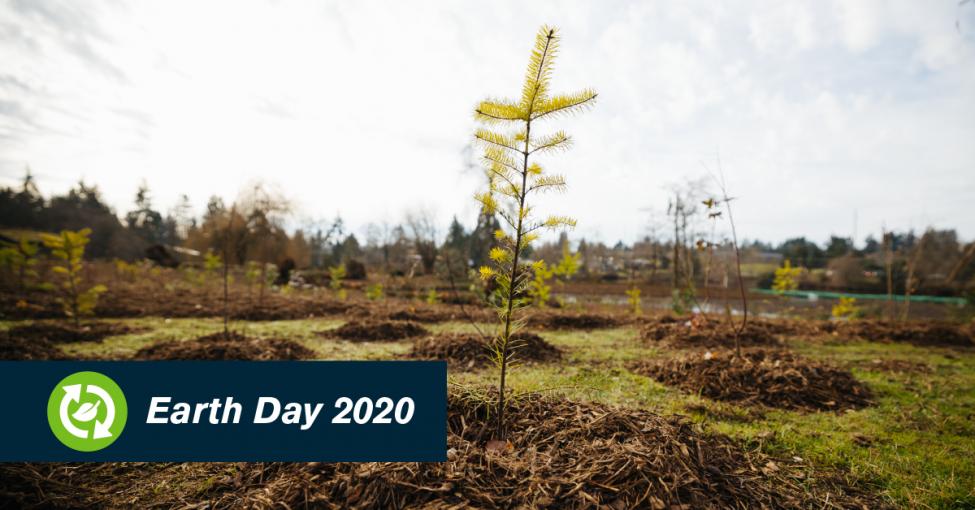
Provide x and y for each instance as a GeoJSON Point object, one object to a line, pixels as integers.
{"type": "Point", "coordinates": [821, 111]}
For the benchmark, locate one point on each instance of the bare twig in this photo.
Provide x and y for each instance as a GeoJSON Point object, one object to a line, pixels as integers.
{"type": "Point", "coordinates": [463, 309]}
{"type": "Point", "coordinates": [720, 181]}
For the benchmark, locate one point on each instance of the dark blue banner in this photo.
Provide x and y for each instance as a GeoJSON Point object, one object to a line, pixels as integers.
{"type": "Point", "coordinates": [328, 411]}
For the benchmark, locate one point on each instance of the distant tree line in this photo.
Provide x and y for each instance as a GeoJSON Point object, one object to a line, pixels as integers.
{"type": "Point", "coordinates": [252, 229]}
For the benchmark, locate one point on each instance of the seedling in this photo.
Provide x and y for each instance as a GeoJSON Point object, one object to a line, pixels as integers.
{"type": "Point", "coordinates": [786, 277]}
{"type": "Point", "coordinates": [539, 289]}
{"type": "Point", "coordinates": [252, 273]}
{"type": "Point", "coordinates": [847, 309]}
{"type": "Point", "coordinates": [634, 301]}
{"type": "Point", "coordinates": [336, 274]}
{"type": "Point", "coordinates": [374, 292]}
{"type": "Point", "coordinates": [20, 259]}
{"type": "Point", "coordinates": [432, 297]}
{"type": "Point", "coordinates": [514, 177]}
{"type": "Point", "coordinates": [69, 247]}
{"type": "Point", "coordinates": [125, 271]}
{"type": "Point", "coordinates": [726, 200]}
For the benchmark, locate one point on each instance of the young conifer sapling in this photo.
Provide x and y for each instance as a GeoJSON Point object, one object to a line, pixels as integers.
{"type": "Point", "coordinates": [514, 177]}
{"type": "Point", "coordinates": [69, 248]}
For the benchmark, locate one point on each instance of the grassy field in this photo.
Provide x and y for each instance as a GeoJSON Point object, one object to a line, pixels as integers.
{"type": "Point", "coordinates": [916, 446]}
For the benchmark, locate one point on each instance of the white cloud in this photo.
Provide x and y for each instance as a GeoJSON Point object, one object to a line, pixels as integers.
{"type": "Point", "coordinates": [364, 108]}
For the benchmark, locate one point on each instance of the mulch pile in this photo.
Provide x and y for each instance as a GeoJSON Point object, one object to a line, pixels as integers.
{"type": "Point", "coordinates": [562, 455]}
{"type": "Point", "coordinates": [569, 320]}
{"type": "Point", "coordinates": [14, 348]}
{"type": "Point", "coordinates": [773, 378]}
{"type": "Point", "coordinates": [468, 350]}
{"type": "Point", "coordinates": [232, 347]}
{"type": "Point", "coordinates": [918, 333]}
{"type": "Point", "coordinates": [65, 332]}
{"type": "Point", "coordinates": [699, 332]}
{"type": "Point", "coordinates": [377, 331]}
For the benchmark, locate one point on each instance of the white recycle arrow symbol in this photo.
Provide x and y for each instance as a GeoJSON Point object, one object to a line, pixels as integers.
{"type": "Point", "coordinates": [101, 427]}
{"type": "Point", "coordinates": [72, 393]}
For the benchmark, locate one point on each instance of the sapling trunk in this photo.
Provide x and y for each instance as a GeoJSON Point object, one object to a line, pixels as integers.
{"type": "Point", "coordinates": [909, 283]}
{"type": "Point", "coordinates": [741, 281]}
{"type": "Point", "coordinates": [888, 267]}
{"type": "Point", "coordinates": [226, 272]}
{"type": "Point", "coordinates": [738, 330]}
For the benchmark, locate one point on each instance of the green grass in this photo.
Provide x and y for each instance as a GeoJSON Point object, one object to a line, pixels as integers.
{"type": "Point", "coordinates": [916, 446]}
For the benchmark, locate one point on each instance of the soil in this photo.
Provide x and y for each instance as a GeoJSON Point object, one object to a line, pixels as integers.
{"type": "Point", "coordinates": [699, 332]}
{"type": "Point", "coordinates": [144, 301]}
{"type": "Point", "coordinates": [283, 310]}
{"type": "Point", "coordinates": [425, 314]}
{"type": "Point", "coordinates": [570, 320]}
{"type": "Point", "coordinates": [468, 351]}
{"type": "Point", "coordinates": [65, 332]}
{"type": "Point", "coordinates": [561, 455]}
{"type": "Point", "coordinates": [16, 349]}
{"type": "Point", "coordinates": [377, 331]}
{"type": "Point", "coordinates": [232, 347]}
{"type": "Point", "coordinates": [918, 333]}
{"type": "Point", "coordinates": [768, 377]}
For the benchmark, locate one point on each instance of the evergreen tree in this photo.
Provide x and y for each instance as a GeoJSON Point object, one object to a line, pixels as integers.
{"type": "Point", "coordinates": [514, 177]}
{"type": "Point", "coordinates": [145, 221]}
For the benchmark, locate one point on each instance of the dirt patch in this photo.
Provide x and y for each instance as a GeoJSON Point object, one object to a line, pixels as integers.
{"type": "Point", "coordinates": [566, 320]}
{"type": "Point", "coordinates": [425, 315]}
{"type": "Point", "coordinates": [773, 378]}
{"type": "Point", "coordinates": [698, 332]}
{"type": "Point", "coordinates": [127, 301]}
{"type": "Point", "coordinates": [16, 349]}
{"type": "Point", "coordinates": [468, 351]}
{"type": "Point", "coordinates": [901, 366]}
{"type": "Point", "coordinates": [63, 332]}
{"type": "Point", "coordinates": [726, 412]}
{"type": "Point", "coordinates": [232, 347]}
{"type": "Point", "coordinates": [377, 331]}
{"type": "Point", "coordinates": [918, 333]}
{"type": "Point", "coordinates": [282, 309]}
{"type": "Point", "coordinates": [561, 455]}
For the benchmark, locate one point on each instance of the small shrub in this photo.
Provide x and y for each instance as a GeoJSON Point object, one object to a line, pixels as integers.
{"type": "Point", "coordinates": [375, 292]}
{"type": "Point", "coordinates": [786, 277]}
{"type": "Point", "coordinates": [539, 290]}
{"type": "Point", "coordinates": [634, 301]}
{"type": "Point", "coordinates": [682, 300]}
{"type": "Point", "coordinates": [847, 309]}
{"type": "Point", "coordinates": [69, 247]}
{"type": "Point", "coordinates": [336, 275]}
{"type": "Point", "coordinates": [125, 271]}
{"type": "Point", "coordinates": [20, 260]}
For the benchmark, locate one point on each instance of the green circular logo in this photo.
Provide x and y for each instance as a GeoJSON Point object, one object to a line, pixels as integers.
{"type": "Point", "coordinates": [87, 411]}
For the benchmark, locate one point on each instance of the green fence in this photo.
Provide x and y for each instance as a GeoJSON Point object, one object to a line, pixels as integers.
{"type": "Point", "coordinates": [817, 294]}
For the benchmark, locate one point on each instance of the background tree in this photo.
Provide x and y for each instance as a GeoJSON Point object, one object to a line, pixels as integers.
{"type": "Point", "coordinates": [265, 210]}
{"type": "Point", "coordinates": [423, 232]}
{"type": "Point", "coordinates": [514, 177]}
{"type": "Point", "coordinates": [145, 221]}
